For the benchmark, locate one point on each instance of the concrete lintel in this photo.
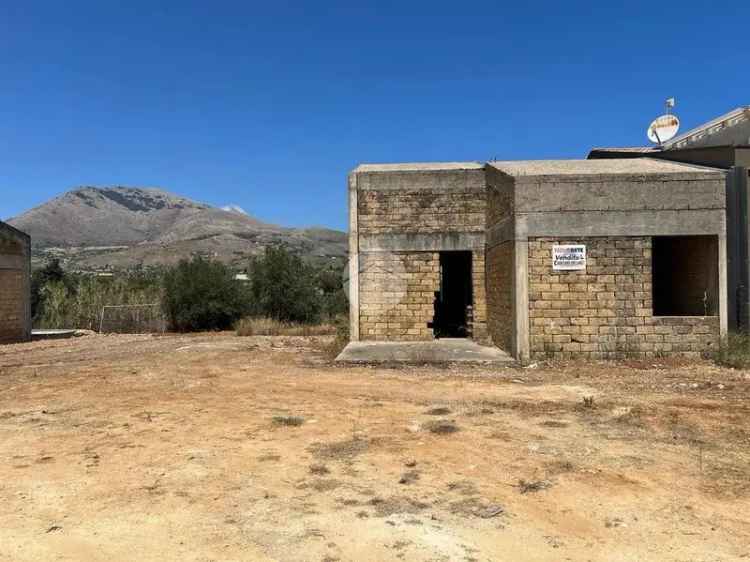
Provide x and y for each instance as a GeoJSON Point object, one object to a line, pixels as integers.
{"type": "Point", "coordinates": [441, 180]}
{"type": "Point", "coordinates": [437, 242]}
{"type": "Point", "coordinates": [620, 195]}
{"type": "Point", "coordinates": [622, 223]}
{"type": "Point", "coordinates": [700, 175]}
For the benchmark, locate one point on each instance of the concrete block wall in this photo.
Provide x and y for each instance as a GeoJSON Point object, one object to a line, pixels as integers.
{"type": "Point", "coordinates": [420, 211]}
{"type": "Point", "coordinates": [479, 296]}
{"type": "Point", "coordinates": [500, 303]}
{"type": "Point", "coordinates": [401, 218]}
{"type": "Point", "coordinates": [12, 304]}
{"type": "Point", "coordinates": [606, 311]}
{"type": "Point", "coordinates": [15, 281]}
{"type": "Point", "coordinates": [397, 294]}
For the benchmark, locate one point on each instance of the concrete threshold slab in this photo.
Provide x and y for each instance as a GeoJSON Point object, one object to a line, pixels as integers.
{"type": "Point", "coordinates": [52, 334]}
{"type": "Point", "coordinates": [443, 350]}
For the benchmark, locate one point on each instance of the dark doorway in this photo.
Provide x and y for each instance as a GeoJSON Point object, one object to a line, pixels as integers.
{"type": "Point", "coordinates": [454, 296]}
{"type": "Point", "coordinates": [685, 275]}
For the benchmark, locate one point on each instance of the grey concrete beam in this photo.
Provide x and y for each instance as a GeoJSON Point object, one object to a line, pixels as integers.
{"type": "Point", "coordinates": [698, 174]}
{"type": "Point", "coordinates": [437, 242]}
{"type": "Point", "coordinates": [442, 180]}
{"type": "Point", "coordinates": [622, 223]}
{"type": "Point", "coordinates": [620, 195]}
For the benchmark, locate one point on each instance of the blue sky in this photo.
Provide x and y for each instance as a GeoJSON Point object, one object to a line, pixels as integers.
{"type": "Point", "coordinates": [268, 105]}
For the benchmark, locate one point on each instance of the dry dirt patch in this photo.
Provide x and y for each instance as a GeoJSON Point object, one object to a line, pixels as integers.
{"type": "Point", "coordinates": [216, 447]}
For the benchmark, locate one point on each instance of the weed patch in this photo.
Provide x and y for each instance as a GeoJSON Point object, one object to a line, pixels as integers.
{"type": "Point", "coordinates": [734, 351]}
{"type": "Point", "coordinates": [289, 421]}
{"type": "Point", "coordinates": [441, 427]}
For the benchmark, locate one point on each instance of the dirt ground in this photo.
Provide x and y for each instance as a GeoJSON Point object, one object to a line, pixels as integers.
{"type": "Point", "coordinates": [219, 448]}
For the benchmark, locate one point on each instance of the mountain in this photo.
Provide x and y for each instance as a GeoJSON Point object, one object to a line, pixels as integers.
{"type": "Point", "coordinates": [234, 209]}
{"type": "Point", "coordinates": [120, 227]}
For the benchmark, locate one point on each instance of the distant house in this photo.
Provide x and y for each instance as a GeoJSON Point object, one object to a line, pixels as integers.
{"type": "Point", "coordinates": [15, 285]}
{"type": "Point", "coordinates": [723, 142]}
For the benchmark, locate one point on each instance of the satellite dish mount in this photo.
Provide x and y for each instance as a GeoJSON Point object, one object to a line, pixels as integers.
{"type": "Point", "coordinates": [664, 127]}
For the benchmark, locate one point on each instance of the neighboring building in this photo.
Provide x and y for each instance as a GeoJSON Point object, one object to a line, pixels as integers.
{"type": "Point", "coordinates": [724, 143]}
{"type": "Point", "coordinates": [15, 285]}
{"type": "Point", "coordinates": [467, 250]}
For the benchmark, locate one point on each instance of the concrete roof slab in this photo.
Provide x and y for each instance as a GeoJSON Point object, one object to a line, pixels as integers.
{"type": "Point", "coordinates": [418, 167]}
{"type": "Point", "coordinates": [605, 167]}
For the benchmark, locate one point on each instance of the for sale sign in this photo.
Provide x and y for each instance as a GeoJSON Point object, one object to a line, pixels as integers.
{"type": "Point", "coordinates": [567, 257]}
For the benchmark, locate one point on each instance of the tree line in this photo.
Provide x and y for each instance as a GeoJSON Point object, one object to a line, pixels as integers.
{"type": "Point", "coordinates": [196, 294]}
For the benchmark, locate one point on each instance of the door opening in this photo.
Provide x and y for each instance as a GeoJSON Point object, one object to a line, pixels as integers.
{"type": "Point", "coordinates": [454, 296]}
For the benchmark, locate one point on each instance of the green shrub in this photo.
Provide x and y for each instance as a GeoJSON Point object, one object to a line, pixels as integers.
{"type": "Point", "coordinates": [203, 295]}
{"type": "Point", "coordinates": [52, 272]}
{"type": "Point", "coordinates": [333, 301]}
{"type": "Point", "coordinates": [734, 351]}
{"type": "Point", "coordinates": [284, 288]}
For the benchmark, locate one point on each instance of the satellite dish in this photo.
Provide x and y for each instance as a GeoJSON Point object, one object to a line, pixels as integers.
{"type": "Point", "coordinates": [663, 128]}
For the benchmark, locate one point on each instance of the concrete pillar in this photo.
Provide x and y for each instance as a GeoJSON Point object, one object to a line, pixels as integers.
{"type": "Point", "coordinates": [521, 300]}
{"type": "Point", "coordinates": [353, 260]}
{"type": "Point", "coordinates": [521, 349]}
{"type": "Point", "coordinates": [723, 286]}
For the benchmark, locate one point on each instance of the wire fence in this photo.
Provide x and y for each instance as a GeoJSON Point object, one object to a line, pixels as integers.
{"type": "Point", "coordinates": [132, 319]}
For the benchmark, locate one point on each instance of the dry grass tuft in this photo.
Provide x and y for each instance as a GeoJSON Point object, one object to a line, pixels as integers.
{"type": "Point", "coordinates": [441, 427]}
{"type": "Point", "coordinates": [271, 327]}
{"type": "Point", "coordinates": [396, 504]}
{"type": "Point", "coordinates": [537, 485]}
{"type": "Point", "coordinates": [438, 411]}
{"type": "Point", "coordinates": [734, 351]}
{"type": "Point", "coordinates": [340, 450]}
{"type": "Point", "coordinates": [291, 421]}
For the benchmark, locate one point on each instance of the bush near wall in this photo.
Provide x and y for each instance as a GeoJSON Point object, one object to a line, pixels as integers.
{"type": "Point", "coordinates": [284, 288]}
{"type": "Point", "coordinates": [200, 294]}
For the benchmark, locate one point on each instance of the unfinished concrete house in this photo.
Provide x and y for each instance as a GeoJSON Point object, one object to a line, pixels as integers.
{"type": "Point", "coordinates": [15, 281]}
{"type": "Point", "coordinates": [592, 258]}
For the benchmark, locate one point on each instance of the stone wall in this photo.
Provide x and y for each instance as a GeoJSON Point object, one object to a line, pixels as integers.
{"type": "Point", "coordinates": [405, 216]}
{"type": "Point", "coordinates": [606, 311]}
{"type": "Point", "coordinates": [15, 274]}
{"type": "Point", "coordinates": [420, 211]}
{"type": "Point", "coordinates": [479, 297]}
{"type": "Point", "coordinates": [500, 306]}
{"type": "Point", "coordinates": [397, 293]}
{"type": "Point", "coordinates": [12, 293]}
